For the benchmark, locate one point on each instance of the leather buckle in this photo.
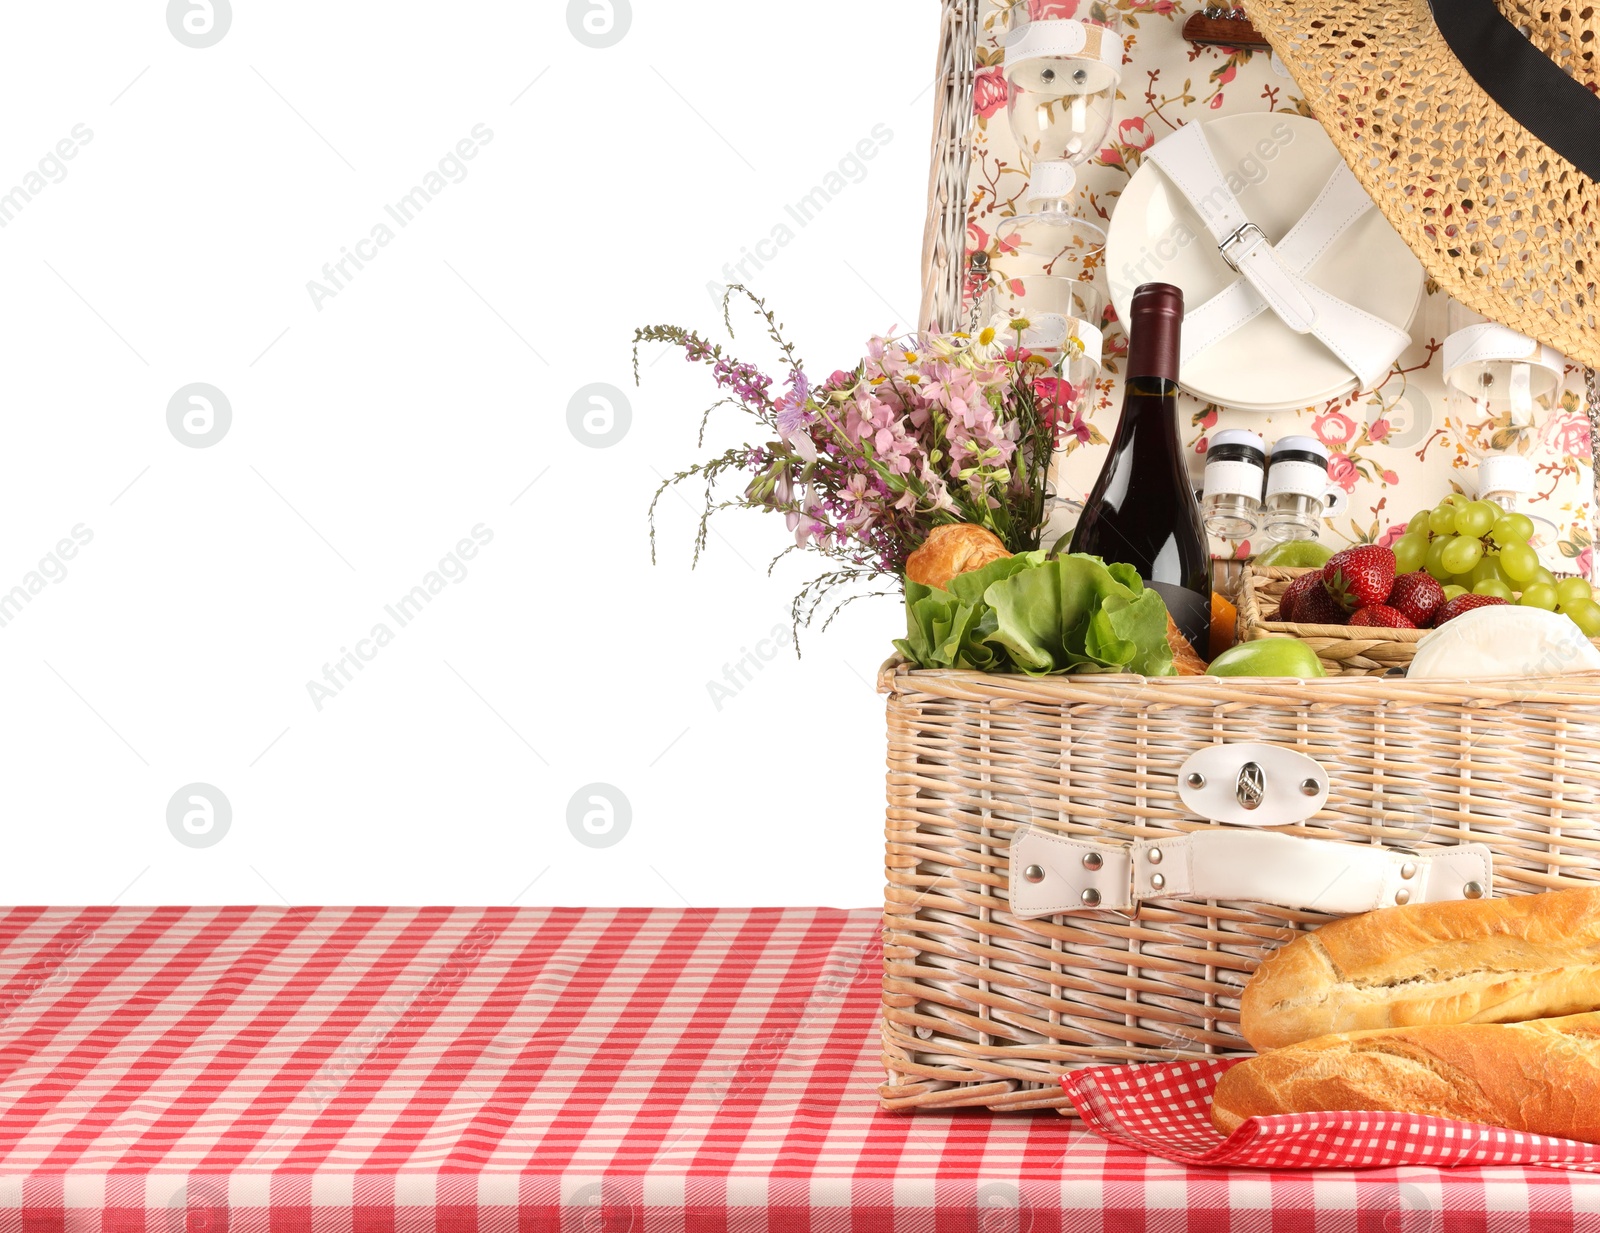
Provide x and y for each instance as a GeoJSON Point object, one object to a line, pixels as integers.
{"type": "Point", "coordinates": [1237, 237]}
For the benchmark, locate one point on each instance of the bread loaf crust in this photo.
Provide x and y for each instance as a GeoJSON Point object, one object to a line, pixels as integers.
{"type": "Point", "coordinates": [1539, 1077]}
{"type": "Point", "coordinates": [1485, 961]}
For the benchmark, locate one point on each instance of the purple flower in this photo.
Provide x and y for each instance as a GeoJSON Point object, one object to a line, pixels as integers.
{"type": "Point", "coordinates": [745, 380]}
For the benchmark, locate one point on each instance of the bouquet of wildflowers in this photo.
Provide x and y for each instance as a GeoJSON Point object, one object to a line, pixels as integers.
{"type": "Point", "coordinates": [926, 429]}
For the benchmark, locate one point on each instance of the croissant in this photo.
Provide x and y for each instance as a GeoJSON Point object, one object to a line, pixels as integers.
{"type": "Point", "coordinates": [955, 548]}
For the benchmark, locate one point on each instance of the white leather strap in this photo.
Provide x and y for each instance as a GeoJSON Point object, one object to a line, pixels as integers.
{"type": "Point", "coordinates": [1050, 332]}
{"type": "Point", "coordinates": [1273, 276]}
{"type": "Point", "coordinates": [1052, 875]}
{"type": "Point", "coordinates": [1489, 341]}
{"type": "Point", "coordinates": [1312, 874]}
{"type": "Point", "coordinates": [1062, 39]}
{"type": "Point", "coordinates": [1341, 202]}
{"type": "Point", "coordinates": [1535, 373]}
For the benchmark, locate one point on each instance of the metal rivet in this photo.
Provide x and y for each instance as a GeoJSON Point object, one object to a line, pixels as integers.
{"type": "Point", "coordinates": [1158, 880]}
{"type": "Point", "coordinates": [1196, 780]}
{"type": "Point", "coordinates": [1092, 861]}
{"type": "Point", "coordinates": [1408, 870]}
{"type": "Point", "coordinates": [1402, 895]}
{"type": "Point", "coordinates": [1080, 76]}
{"type": "Point", "coordinates": [1033, 873]}
{"type": "Point", "coordinates": [1310, 787]}
{"type": "Point", "coordinates": [1155, 856]}
{"type": "Point", "coordinates": [1090, 897]}
{"type": "Point", "coordinates": [1473, 890]}
{"type": "Point", "coordinates": [1047, 75]}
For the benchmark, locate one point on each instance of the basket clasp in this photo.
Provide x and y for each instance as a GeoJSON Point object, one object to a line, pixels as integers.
{"type": "Point", "coordinates": [1252, 783]}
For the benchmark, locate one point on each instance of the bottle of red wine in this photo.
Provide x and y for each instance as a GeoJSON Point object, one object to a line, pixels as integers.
{"type": "Point", "coordinates": [1142, 510]}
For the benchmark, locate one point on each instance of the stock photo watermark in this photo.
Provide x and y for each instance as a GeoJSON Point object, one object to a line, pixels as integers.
{"type": "Point", "coordinates": [599, 415]}
{"type": "Point", "coordinates": [199, 23]}
{"type": "Point", "coordinates": [51, 569]}
{"type": "Point", "coordinates": [741, 673]}
{"type": "Point", "coordinates": [1414, 1211]}
{"type": "Point", "coordinates": [599, 815]}
{"type": "Point", "coordinates": [998, 1207]}
{"type": "Point", "coordinates": [338, 274]}
{"type": "Point", "coordinates": [451, 570]}
{"type": "Point", "coordinates": [1400, 422]}
{"type": "Point", "coordinates": [200, 1205]}
{"type": "Point", "coordinates": [850, 169]}
{"type": "Point", "coordinates": [588, 1211]}
{"type": "Point", "coordinates": [199, 815]}
{"type": "Point", "coordinates": [51, 169]}
{"type": "Point", "coordinates": [50, 966]}
{"type": "Point", "coordinates": [199, 415]}
{"type": "Point", "coordinates": [599, 23]}
{"type": "Point", "coordinates": [1405, 818]}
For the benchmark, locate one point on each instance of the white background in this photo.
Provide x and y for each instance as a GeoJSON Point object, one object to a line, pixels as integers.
{"type": "Point", "coordinates": [429, 395]}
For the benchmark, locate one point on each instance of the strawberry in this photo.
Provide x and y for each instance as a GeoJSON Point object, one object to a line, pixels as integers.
{"type": "Point", "coordinates": [1293, 593]}
{"type": "Point", "coordinates": [1383, 616]}
{"type": "Point", "coordinates": [1452, 608]}
{"type": "Point", "coordinates": [1360, 577]}
{"type": "Point", "coordinates": [1318, 607]}
{"type": "Point", "coordinates": [1417, 596]}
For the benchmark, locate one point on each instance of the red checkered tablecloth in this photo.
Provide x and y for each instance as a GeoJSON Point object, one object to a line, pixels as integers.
{"type": "Point", "coordinates": [339, 1070]}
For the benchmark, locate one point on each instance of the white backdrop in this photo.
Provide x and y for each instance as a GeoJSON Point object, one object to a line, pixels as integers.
{"type": "Point", "coordinates": [178, 726]}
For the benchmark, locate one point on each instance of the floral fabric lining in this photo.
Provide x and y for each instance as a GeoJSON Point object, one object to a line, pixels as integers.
{"type": "Point", "coordinates": [1390, 451]}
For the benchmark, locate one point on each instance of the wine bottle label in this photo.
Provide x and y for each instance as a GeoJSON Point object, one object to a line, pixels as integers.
{"type": "Point", "coordinates": [1303, 479]}
{"type": "Point", "coordinates": [1226, 477]}
{"type": "Point", "coordinates": [1191, 612]}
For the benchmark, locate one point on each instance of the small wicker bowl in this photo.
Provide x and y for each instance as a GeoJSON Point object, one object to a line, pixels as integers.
{"type": "Point", "coordinates": [1362, 651]}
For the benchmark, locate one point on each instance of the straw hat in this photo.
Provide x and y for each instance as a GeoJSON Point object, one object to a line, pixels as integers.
{"type": "Point", "coordinates": [1488, 172]}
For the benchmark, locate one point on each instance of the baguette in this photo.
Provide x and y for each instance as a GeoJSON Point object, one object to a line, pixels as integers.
{"type": "Point", "coordinates": [1541, 1077]}
{"type": "Point", "coordinates": [1483, 961]}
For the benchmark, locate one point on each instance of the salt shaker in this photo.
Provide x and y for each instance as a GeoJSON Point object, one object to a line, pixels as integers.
{"type": "Point", "coordinates": [1297, 488]}
{"type": "Point", "coordinates": [1236, 461]}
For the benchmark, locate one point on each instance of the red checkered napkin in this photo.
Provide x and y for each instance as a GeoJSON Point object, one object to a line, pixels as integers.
{"type": "Point", "coordinates": [1166, 1111]}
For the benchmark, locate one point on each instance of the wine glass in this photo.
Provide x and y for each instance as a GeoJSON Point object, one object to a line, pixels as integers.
{"type": "Point", "coordinates": [1501, 389]}
{"type": "Point", "coordinates": [1061, 73]}
{"type": "Point", "coordinates": [1056, 310]}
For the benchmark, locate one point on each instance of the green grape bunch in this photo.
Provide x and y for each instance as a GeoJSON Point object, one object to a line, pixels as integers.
{"type": "Point", "coordinates": [1477, 547]}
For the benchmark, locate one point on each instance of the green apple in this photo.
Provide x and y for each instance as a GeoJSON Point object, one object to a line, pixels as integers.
{"type": "Point", "coordinates": [1295, 554]}
{"type": "Point", "coordinates": [1268, 657]}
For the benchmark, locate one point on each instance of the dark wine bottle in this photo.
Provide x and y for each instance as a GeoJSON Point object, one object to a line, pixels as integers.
{"type": "Point", "coordinates": [1142, 510]}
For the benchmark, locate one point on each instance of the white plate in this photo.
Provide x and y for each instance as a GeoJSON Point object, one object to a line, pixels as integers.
{"type": "Point", "coordinates": [1277, 164]}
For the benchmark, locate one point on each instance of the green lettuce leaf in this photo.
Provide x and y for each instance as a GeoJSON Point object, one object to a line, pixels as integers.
{"type": "Point", "coordinates": [969, 587]}
{"type": "Point", "coordinates": [937, 624]}
{"type": "Point", "coordinates": [1025, 613]}
{"type": "Point", "coordinates": [1076, 614]}
{"type": "Point", "coordinates": [1140, 624]}
{"type": "Point", "coordinates": [1127, 576]}
{"type": "Point", "coordinates": [949, 629]}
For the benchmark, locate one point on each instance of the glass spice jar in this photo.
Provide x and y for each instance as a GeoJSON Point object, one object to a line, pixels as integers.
{"type": "Point", "coordinates": [1297, 489]}
{"type": "Point", "coordinates": [1236, 461]}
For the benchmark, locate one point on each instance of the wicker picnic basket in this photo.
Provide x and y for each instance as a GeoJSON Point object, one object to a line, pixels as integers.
{"type": "Point", "coordinates": [1060, 892]}
{"type": "Point", "coordinates": [986, 1006]}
